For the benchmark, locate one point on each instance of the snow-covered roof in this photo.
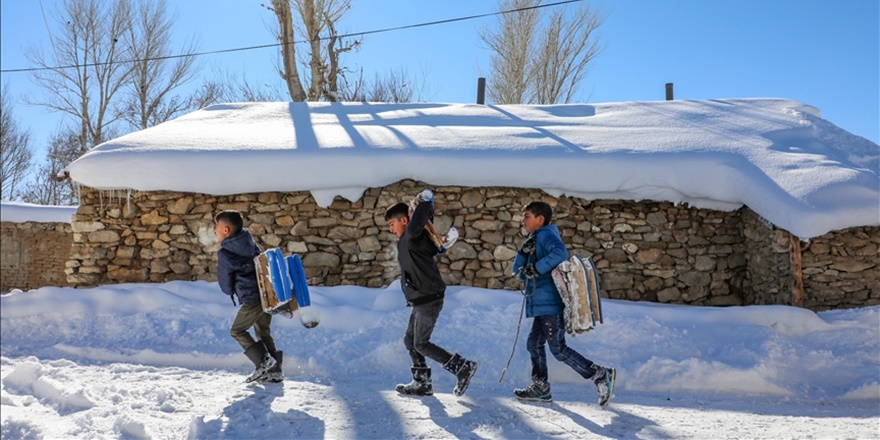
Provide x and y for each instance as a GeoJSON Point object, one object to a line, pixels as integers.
{"type": "Point", "coordinates": [777, 156]}
{"type": "Point", "coordinates": [18, 212]}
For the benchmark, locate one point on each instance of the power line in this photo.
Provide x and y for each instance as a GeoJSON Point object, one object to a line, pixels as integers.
{"type": "Point", "coordinates": [264, 46]}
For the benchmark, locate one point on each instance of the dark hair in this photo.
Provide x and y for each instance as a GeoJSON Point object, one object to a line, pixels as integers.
{"type": "Point", "coordinates": [397, 211]}
{"type": "Point", "coordinates": [540, 208]}
{"type": "Point", "coordinates": [231, 218]}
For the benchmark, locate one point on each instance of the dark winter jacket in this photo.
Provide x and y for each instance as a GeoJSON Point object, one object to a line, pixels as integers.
{"type": "Point", "coordinates": [419, 275]}
{"type": "Point", "coordinates": [235, 267]}
{"type": "Point", "coordinates": [542, 297]}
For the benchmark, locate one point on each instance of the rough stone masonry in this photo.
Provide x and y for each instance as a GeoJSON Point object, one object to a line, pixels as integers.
{"type": "Point", "coordinates": [645, 251]}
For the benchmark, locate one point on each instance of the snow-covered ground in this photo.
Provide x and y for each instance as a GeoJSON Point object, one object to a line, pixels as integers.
{"type": "Point", "coordinates": [156, 361]}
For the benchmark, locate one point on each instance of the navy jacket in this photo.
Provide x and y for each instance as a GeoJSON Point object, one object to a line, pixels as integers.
{"type": "Point", "coordinates": [542, 297]}
{"type": "Point", "coordinates": [236, 272]}
{"type": "Point", "coordinates": [419, 275]}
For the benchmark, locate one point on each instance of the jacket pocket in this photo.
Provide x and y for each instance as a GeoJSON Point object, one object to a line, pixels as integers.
{"type": "Point", "coordinates": [408, 281]}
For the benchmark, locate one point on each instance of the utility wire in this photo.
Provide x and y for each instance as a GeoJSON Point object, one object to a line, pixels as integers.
{"type": "Point", "coordinates": [264, 46]}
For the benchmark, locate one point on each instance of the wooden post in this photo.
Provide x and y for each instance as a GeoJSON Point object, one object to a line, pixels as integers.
{"type": "Point", "coordinates": [481, 90]}
{"type": "Point", "coordinates": [669, 91]}
{"type": "Point", "coordinates": [797, 271]}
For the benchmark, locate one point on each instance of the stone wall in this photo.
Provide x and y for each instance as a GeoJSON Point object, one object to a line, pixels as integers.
{"type": "Point", "coordinates": [658, 251]}
{"type": "Point", "coordinates": [769, 271]}
{"type": "Point", "coordinates": [839, 269]}
{"type": "Point", "coordinates": [842, 269]}
{"type": "Point", "coordinates": [33, 255]}
{"type": "Point", "coordinates": [645, 251]}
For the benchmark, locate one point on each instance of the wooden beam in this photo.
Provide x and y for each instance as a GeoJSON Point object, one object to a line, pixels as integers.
{"type": "Point", "coordinates": [797, 271]}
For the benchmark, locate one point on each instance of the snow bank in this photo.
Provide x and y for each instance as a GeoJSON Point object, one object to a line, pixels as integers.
{"type": "Point", "coordinates": [156, 361]}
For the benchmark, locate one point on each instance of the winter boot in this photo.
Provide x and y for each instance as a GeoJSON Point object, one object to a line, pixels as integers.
{"type": "Point", "coordinates": [604, 380]}
{"type": "Point", "coordinates": [275, 374]}
{"type": "Point", "coordinates": [263, 362]}
{"type": "Point", "coordinates": [463, 370]}
{"type": "Point", "coordinates": [420, 385]}
{"type": "Point", "coordinates": [539, 391]}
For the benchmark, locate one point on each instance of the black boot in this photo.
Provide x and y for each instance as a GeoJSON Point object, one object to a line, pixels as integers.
{"type": "Point", "coordinates": [275, 374]}
{"type": "Point", "coordinates": [258, 354]}
{"type": "Point", "coordinates": [463, 370]}
{"type": "Point", "coordinates": [604, 380]}
{"type": "Point", "coordinates": [539, 390]}
{"type": "Point", "coordinates": [420, 385]}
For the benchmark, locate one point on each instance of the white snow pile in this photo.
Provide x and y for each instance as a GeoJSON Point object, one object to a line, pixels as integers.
{"type": "Point", "coordinates": [157, 361]}
{"type": "Point", "coordinates": [776, 156]}
{"type": "Point", "coordinates": [19, 212]}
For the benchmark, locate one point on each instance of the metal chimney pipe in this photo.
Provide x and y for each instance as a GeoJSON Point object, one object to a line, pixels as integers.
{"type": "Point", "coordinates": [481, 90]}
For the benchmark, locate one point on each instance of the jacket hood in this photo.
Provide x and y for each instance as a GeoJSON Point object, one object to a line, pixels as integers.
{"type": "Point", "coordinates": [241, 244]}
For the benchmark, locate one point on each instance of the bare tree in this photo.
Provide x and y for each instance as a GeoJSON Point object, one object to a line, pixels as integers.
{"type": "Point", "coordinates": [568, 46]}
{"type": "Point", "coordinates": [396, 86]}
{"type": "Point", "coordinates": [513, 46]}
{"type": "Point", "coordinates": [229, 87]}
{"type": "Point", "coordinates": [15, 150]}
{"type": "Point", "coordinates": [83, 74]}
{"type": "Point", "coordinates": [289, 72]}
{"type": "Point", "coordinates": [540, 59]}
{"type": "Point", "coordinates": [316, 21]}
{"type": "Point", "coordinates": [47, 187]}
{"type": "Point", "coordinates": [149, 100]}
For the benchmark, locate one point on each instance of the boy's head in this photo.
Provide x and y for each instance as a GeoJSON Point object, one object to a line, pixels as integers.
{"type": "Point", "coordinates": [535, 215]}
{"type": "Point", "coordinates": [397, 218]}
{"type": "Point", "coordinates": [227, 223]}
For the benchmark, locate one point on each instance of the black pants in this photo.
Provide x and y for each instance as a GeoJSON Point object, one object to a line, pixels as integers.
{"type": "Point", "coordinates": [417, 338]}
{"type": "Point", "coordinates": [252, 315]}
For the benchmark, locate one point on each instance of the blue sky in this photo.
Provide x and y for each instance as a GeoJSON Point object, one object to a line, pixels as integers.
{"type": "Point", "coordinates": [825, 53]}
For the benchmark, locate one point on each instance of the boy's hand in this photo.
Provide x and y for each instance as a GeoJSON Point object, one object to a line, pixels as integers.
{"type": "Point", "coordinates": [528, 247]}
{"type": "Point", "coordinates": [424, 196]}
{"type": "Point", "coordinates": [529, 271]}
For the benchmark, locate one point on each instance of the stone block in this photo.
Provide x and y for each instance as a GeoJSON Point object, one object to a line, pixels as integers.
{"type": "Point", "coordinates": [181, 205]}
{"type": "Point", "coordinates": [669, 295]}
{"type": "Point", "coordinates": [153, 218]}
{"type": "Point", "coordinates": [104, 236]}
{"type": "Point", "coordinates": [320, 259]}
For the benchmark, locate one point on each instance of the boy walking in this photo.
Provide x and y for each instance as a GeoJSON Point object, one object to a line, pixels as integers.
{"type": "Point", "coordinates": [237, 276]}
{"type": "Point", "coordinates": [542, 251]}
{"type": "Point", "coordinates": [424, 291]}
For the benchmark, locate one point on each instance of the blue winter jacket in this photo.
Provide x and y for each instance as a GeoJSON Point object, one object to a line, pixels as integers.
{"type": "Point", "coordinates": [542, 298]}
{"type": "Point", "coordinates": [236, 272]}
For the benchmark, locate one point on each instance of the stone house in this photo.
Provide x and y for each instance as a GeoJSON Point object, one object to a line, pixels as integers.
{"type": "Point", "coordinates": [315, 178]}
{"type": "Point", "coordinates": [35, 245]}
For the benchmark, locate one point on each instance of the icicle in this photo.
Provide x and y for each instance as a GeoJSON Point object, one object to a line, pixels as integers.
{"type": "Point", "coordinates": [101, 198]}
{"type": "Point", "coordinates": [128, 202]}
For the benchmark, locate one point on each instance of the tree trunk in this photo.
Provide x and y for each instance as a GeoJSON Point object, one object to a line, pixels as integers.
{"type": "Point", "coordinates": [288, 51]}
